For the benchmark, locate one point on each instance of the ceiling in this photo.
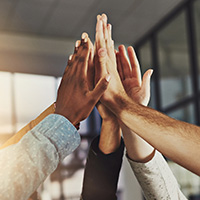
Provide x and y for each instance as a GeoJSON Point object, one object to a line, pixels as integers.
{"type": "Point", "coordinates": [37, 28]}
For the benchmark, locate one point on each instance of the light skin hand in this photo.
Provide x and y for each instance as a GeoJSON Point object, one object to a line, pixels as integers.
{"type": "Point", "coordinates": [74, 100]}
{"type": "Point", "coordinates": [139, 91]}
{"type": "Point", "coordinates": [108, 143]}
{"type": "Point", "coordinates": [107, 63]}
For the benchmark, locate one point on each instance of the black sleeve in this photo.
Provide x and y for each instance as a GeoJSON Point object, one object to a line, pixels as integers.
{"type": "Point", "coordinates": [102, 173]}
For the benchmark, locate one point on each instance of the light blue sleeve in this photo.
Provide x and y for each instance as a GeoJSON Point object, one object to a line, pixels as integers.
{"type": "Point", "coordinates": [25, 165]}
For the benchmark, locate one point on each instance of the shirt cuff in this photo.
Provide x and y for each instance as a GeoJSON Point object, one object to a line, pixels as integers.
{"type": "Point", "coordinates": [61, 133]}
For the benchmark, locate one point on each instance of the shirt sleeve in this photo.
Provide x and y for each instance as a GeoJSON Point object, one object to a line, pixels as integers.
{"type": "Point", "coordinates": [102, 173]}
{"type": "Point", "coordinates": [26, 164]}
{"type": "Point", "coordinates": [156, 179]}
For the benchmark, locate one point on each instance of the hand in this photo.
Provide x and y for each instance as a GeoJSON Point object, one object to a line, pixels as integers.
{"type": "Point", "coordinates": [106, 61]}
{"type": "Point", "coordinates": [74, 100]}
{"type": "Point", "coordinates": [130, 75]}
{"type": "Point", "coordinates": [105, 113]}
{"type": "Point", "coordinates": [139, 91]}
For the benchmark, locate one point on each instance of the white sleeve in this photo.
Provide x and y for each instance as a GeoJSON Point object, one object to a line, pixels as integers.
{"type": "Point", "coordinates": [156, 179]}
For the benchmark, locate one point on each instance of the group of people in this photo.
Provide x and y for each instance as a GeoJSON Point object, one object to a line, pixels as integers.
{"type": "Point", "coordinates": [98, 75]}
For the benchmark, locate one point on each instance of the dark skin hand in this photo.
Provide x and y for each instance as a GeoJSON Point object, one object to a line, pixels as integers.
{"type": "Point", "coordinates": [74, 100]}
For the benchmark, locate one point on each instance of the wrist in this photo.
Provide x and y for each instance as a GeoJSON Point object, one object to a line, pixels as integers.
{"type": "Point", "coordinates": [56, 111]}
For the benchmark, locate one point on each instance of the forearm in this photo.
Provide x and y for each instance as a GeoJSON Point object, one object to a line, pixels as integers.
{"type": "Point", "coordinates": [175, 139]}
{"type": "Point", "coordinates": [102, 173]}
{"type": "Point", "coordinates": [110, 137]}
{"type": "Point", "coordinates": [26, 164]}
{"type": "Point", "coordinates": [17, 137]}
{"type": "Point", "coordinates": [137, 148]}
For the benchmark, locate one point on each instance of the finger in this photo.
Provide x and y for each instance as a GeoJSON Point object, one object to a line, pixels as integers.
{"type": "Point", "coordinates": [119, 67]}
{"type": "Point", "coordinates": [91, 56]}
{"type": "Point", "coordinates": [105, 30]}
{"type": "Point", "coordinates": [126, 68]}
{"type": "Point", "coordinates": [100, 41]}
{"type": "Point", "coordinates": [134, 64]}
{"type": "Point", "coordinates": [110, 43]}
{"type": "Point", "coordinates": [74, 58]}
{"type": "Point", "coordinates": [146, 84]}
{"type": "Point", "coordinates": [68, 64]}
{"type": "Point", "coordinates": [99, 89]}
{"type": "Point", "coordinates": [70, 60]}
{"type": "Point", "coordinates": [83, 56]}
{"type": "Point", "coordinates": [91, 69]}
{"type": "Point", "coordinates": [77, 45]}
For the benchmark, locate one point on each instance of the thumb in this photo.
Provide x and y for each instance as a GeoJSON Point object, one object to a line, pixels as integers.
{"type": "Point", "coordinates": [146, 84]}
{"type": "Point", "coordinates": [100, 88]}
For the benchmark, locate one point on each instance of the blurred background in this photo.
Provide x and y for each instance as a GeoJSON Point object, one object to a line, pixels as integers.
{"type": "Point", "coordinates": [36, 38]}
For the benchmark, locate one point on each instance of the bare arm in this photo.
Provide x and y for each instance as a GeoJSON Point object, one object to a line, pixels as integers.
{"type": "Point", "coordinates": [138, 90]}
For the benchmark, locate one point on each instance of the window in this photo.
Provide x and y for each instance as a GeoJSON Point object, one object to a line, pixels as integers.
{"type": "Point", "coordinates": [174, 61]}
{"type": "Point", "coordinates": [145, 59]}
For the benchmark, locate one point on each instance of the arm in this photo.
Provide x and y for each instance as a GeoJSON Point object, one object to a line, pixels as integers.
{"type": "Point", "coordinates": [151, 170]}
{"type": "Point", "coordinates": [26, 164]}
{"type": "Point", "coordinates": [17, 137]}
{"type": "Point", "coordinates": [177, 140]}
{"type": "Point", "coordinates": [139, 91]}
{"type": "Point", "coordinates": [105, 156]}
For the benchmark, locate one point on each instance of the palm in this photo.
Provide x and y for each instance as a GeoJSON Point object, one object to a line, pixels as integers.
{"type": "Point", "coordinates": [136, 89]}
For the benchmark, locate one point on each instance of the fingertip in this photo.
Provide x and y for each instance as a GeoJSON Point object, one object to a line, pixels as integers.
{"type": "Point", "coordinates": [150, 72]}
{"type": "Point", "coordinates": [70, 57]}
{"type": "Point", "coordinates": [77, 44]}
{"type": "Point", "coordinates": [104, 17]}
{"type": "Point", "coordinates": [109, 27]}
{"type": "Point", "coordinates": [121, 47]}
{"type": "Point", "coordinates": [98, 17]}
{"type": "Point", "coordinates": [108, 77]}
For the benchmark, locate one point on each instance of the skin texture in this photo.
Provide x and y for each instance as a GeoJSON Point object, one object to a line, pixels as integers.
{"type": "Point", "coordinates": [74, 100]}
{"type": "Point", "coordinates": [175, 139]}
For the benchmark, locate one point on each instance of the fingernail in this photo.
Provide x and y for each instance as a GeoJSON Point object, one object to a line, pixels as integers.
{"type": "Point", "coordinates": [103, 18]}
{"type": "Point", "coordinates": [108, 77]}
{"type": "Point", "coordinates": [151, 72]}
{"type": "Point", "coordinates": [77, 43]}
{"type": "Point", "coordinates": [83, 36]}
{"type": "Point", "coordinates": [70, 57]}
{"type": "Point", "coordinates": [98, 17]}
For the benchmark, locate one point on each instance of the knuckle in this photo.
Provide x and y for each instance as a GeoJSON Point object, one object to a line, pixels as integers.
{"type": "Point", "coordinates": [76, 57]}
{"type": "Point", "coordinates": [81, 59]}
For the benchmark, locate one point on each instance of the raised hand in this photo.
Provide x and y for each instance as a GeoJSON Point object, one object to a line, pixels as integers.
{"type": "Point", "coordinates": [107, 61]}
{"type": "Point", "coordinates": [74, 100]}
{"type": "Point", "coordinates": [137, 89]}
